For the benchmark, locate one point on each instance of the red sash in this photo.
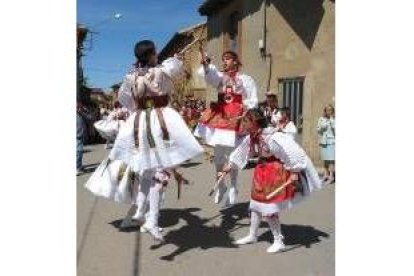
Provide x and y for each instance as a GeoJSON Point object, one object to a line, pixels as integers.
{"type": "Point", "coordinates": [267, 177]}
{"type": "Point", "coordinates": [223, 114]}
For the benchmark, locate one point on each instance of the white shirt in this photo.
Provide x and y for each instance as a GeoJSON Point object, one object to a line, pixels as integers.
{"type": "Point", "coordinates": [290, 129]}
{"type": "Point", "coordinates": [248, 86]}
{"type": "Point", "coordinates": [157, 81]}
{"type": "Point", "coordinates": [278, 144]}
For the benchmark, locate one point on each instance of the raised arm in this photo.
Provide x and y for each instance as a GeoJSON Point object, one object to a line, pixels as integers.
{"type": "Point", "coordinates": [173, 67]}
{"type": "Point", "coordinates": [210, 74]}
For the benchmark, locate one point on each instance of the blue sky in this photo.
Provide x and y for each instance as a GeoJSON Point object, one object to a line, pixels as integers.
{"type": "Point", "coordinates": [111, 53]}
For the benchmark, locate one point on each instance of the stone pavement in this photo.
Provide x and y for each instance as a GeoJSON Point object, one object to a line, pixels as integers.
{"type": "Point", "coordinates": [199, 233]}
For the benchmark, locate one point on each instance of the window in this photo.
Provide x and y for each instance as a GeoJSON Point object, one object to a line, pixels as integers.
{"type": "Point", "coordinates": [292, 97]}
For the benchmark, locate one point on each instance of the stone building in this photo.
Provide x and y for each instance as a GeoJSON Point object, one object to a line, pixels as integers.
{"type": "Point", "coordinates": [287, 46]}
{"type": "Point", "coordinates": [190, 40]}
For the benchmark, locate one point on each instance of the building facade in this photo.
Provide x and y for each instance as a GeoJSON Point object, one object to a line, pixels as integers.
{"type": "Point", "coordinates": [287, 46]}
{"type": "Point", "coordinates": [189, 41]}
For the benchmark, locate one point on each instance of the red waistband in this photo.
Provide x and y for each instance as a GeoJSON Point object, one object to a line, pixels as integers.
{"type": "Point", "coordinates": [268, 159]}
{"type": "Point", "coordinates": [230, 97]}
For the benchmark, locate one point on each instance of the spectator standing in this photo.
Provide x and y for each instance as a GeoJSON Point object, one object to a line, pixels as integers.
{"type": "Point", "coordinates": [326, 131]}
{"type": "Point", "coordinates": [82, 117]}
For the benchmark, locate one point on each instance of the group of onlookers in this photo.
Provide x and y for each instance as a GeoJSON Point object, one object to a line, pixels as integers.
{"type": "Point", "coordinates": [86, 119]}
{"type": "Point", "coordinates": [191, 111]}
{"type": "Point", "coordinates": [280, 118]}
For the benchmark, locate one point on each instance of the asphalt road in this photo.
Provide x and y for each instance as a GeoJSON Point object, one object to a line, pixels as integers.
{"type": "Point", "coordinates": [199, 233]}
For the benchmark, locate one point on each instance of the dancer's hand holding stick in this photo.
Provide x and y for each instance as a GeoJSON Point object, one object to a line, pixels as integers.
{"type": "Point", "coordinates": [204, 59]}
{"type": "Point", "coordinates": [293, 177]}
{"type": "Point", "coordinates": [221, 175]}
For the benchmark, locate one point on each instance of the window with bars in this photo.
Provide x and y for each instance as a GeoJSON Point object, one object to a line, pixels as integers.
{"type": "Point", "coordinates": [292, 97]}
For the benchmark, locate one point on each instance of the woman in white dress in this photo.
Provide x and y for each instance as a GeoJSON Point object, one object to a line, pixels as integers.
{"type": "Point", "coordinates": [154, 139]}
{"type": "Point", "coordinates": [284, 176]}
{"type": "Point", "coordinates": [326, 131]}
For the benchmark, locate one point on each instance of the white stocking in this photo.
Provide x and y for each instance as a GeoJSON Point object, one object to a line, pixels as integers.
{"type": "Point", "coordinates": [255, 219]}
{"type": "Point", "coordinates": [142, 196]}
{"type": "Point", "coordinates": [275, 226]}
{"type": "Point", "coordinates": [154, 206]}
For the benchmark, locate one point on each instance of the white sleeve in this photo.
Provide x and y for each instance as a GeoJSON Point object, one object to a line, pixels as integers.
{"type": "Point", "coordinates": [111, 116]}
{"type": "Point", "coordinates": [250, 98]}
{"type": "Point", "coordinates": [290, 128]}
{"type": "Point", "coordinates": [322, 125]}
{"type": "Point", "coordinates": [212, 76]}
{"type": "Point", "coordinates": [292, 156]}
{"type": "Point", "coordinates": [275, 118]}
{"type": "Point", "coordinates": [240, 155]}
{"type": "Point", "coordinates": [173, 67]}
{"type": "Point", "coordinates": [125, 93]}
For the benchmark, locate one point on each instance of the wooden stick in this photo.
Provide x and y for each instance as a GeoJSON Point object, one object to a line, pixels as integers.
{"type": "Point", "coordinates": [180, 180]}
{"type": "Point", "coordinates": [219, 180]}
{"type": "Point", "coordinates": [186, 48]}
{"type": "Point", "coordinates": [278, 190]}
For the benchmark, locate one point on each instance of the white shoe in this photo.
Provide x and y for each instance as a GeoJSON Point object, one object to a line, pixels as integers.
{"type": "Point", "coordinates": [277, 245]}
{"type": "Point", "coordinates": [246, 240]}
{"type": "Point", "coordinates": [144, 229]}
{"type": "Point", "coordinates": [155, 233]}
{"type": "Point", "coordinates": [220, 193]}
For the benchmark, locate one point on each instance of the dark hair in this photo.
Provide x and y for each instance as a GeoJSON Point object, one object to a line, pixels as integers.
{"type": "Point", "coordinates": [287, 111]}
{"type": "Point", "coordinates": [143, 51]}
{"type": "Point", "coordinates": [117, 104]}
{"type": "Point", "coordinates": [272, 96]}
{"type": "Point", "coordinates": [233, 55]}
{"type": "Point", "coordinates": [258, 116]}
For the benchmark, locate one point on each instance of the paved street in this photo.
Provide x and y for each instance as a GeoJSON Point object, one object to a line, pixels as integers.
{"type": "Point", "coordinates": [199, 233]}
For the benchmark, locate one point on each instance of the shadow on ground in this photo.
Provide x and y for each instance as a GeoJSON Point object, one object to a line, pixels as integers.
{"type": "Point", "coordinates": [190, 164]}
{"type": "Point", "coordinates": [90, 168]}
{"type": "Point", "coordinates": [197, 234]}
{"type": "Point", "coordinates": [117, 224]}
{"type": "Point", "coordinates": [296, 236]}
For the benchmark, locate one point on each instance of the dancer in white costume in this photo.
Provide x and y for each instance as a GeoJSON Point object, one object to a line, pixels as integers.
{"type": "Point", "coordinates": [154, 139]}
{"type": "Point", "coordinates": [284, 176]}
{"type": "Point", "coordinates": [220, 124]}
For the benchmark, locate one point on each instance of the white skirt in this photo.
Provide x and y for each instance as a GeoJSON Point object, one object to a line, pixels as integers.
{"type": "Point", "coordinates": [113, 181]}
{"type": "Point", "coordinates": [180, 147]}
{"type": "Point", "coordinates": [108, 129]}
{"type": "Point", "coordinates": [216, 136]}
